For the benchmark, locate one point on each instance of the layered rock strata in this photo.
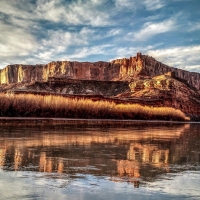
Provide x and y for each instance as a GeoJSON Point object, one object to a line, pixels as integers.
{"type": "Point", "coordinates": [138, 67]}
{"type": "Point", "coordinates": [140, 79]}
{"type": "Point", "coordinates": [101, 71]}
{"type": "Point", "coordinates": [167, 91]}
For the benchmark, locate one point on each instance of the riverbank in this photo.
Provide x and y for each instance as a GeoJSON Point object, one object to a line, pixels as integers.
{"type": "Point", "coordinates": [69, 121]}
{"type": "Point", "coordinates": [28, 105]}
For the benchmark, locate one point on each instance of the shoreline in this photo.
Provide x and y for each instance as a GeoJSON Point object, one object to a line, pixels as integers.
{"type": "Point", "coordinates": [79, 121]}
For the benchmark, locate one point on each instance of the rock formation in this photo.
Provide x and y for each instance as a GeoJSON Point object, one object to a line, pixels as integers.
{"type": "Point", "coordinates": [102, 71]}
{"type": "Point", "coordinates": [140, 79]}
{"type": "Point", "coordinates": [166, 90]}
{"type": "Point", "coordinates": [140, 66]}
{"type": "Point", "coordinates": [21, 73]}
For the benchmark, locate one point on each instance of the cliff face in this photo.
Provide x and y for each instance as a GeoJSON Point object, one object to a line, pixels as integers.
{"type": "Point", "coordinates": [102, 71]}
{"type": "Point", "coordinates": [21, 73]}
{"type": "Point", "coordinates": [155, 68]}
{"type": "Point", "coordinates": [140, 66]}
{"type": "Point", "coordinates": [168, 91]}
{"type": "Point", "coordinates": [130, 68]}
{"type": "Point", "coordinates": [143, 66]}
{"type": "Point", "coordinates": [82, 70]}
{"type": "Point", "coordinates": [140, 79]}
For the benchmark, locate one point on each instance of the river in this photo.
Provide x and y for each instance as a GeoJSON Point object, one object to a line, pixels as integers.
{"type": "Point", "coordinates": [130, 161]}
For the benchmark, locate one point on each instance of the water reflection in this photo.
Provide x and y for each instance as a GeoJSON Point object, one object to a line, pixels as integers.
{"type": "Point", "coordinates": [131, 154]}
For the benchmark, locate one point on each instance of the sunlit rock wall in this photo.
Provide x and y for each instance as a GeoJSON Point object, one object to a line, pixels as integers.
{"type": "Point", "coordinates": [154, 68]}
{"type": "Point", "coordinates": [140, 66]}
{"type": "Point", "coordinates": [130, 68]}
{"type": "Point", "coordinates": [21, 73]}
{"type": "Point", "coordinates": [81, 70]}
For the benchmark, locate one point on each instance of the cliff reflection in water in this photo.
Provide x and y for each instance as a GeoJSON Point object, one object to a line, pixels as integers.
{"type": "Point", "coordinates": [125, 153]}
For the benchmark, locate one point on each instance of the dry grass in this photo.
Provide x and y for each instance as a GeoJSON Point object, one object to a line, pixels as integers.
{"type": "Point", "coordinates": [28, 105]}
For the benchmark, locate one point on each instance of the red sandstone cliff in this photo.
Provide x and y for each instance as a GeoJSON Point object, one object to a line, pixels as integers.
{"type": "Point", "coordinates": [140, 79]}
{"type": "Point", "coordinates": [140, 66]}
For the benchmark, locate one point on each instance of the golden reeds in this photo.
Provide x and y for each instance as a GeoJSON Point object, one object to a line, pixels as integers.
{"type": "Point", "coordinates": [29, 105]}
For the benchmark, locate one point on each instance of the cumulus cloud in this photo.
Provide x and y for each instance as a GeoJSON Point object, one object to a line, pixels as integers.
{"type": "Point", "coordinates": [184, 57]}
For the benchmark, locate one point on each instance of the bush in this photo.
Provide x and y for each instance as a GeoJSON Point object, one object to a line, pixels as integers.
{"type": "Point", "coordinates": [29, 105]}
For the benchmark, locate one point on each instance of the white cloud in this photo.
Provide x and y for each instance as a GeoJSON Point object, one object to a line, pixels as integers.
{"type": "Point", "coordinates": [135, 4]}
{"type": "Point", "coordinates": [195, 68]}
{"type": "Point", "coordinates": [174, 187]}
{"type": "Point", "coordinates": [150, 29]}
{"type": "Point", "coordinates": [58, 42]}
{"type": "Point", "coordinates": [49, 10]}
{"type": "Point", "coordinates": [194, 26]}
{"type": "Point", "coordinates": [123, 52]}
{"type": "Point", "coordinates": [51, 30]}
{"type": "Point", "coordinates": [114, 32]}
{"type": "Point", "coordinates": [21, 8]}
{"type": "Point", "coordinates": [126, 52]}
{"type": "Point", "coordinates": [15, 41]}
{"type": "Point", "coordinates": [184, 57]}
{"type": "Point", "coordinates": [78, 12]}
{"type": "Point", "coordinates": [153, 5]}
{"type": "Point", "coordinates": [130, 4]}
{"type": "Point", "coordinates": [89, 12]}
{"type": "Point", "coordinates": [18, 45]}
{"type": "Point", "coordinates": [87, 51]}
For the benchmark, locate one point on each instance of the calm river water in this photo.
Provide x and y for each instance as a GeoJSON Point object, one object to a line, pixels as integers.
{"type": "Point", "coordinates": [139, 161]}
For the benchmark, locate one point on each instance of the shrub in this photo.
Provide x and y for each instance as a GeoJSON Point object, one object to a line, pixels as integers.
{"type": "Point", "coordinates": [29, 105]}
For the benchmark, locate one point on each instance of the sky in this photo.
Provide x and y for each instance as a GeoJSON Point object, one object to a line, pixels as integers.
{"type": "Point", "coordinates": [41, 31]}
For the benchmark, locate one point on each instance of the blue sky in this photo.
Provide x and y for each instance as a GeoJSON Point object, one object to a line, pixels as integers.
{"type": "Point", "coordinates": [41, 31]}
